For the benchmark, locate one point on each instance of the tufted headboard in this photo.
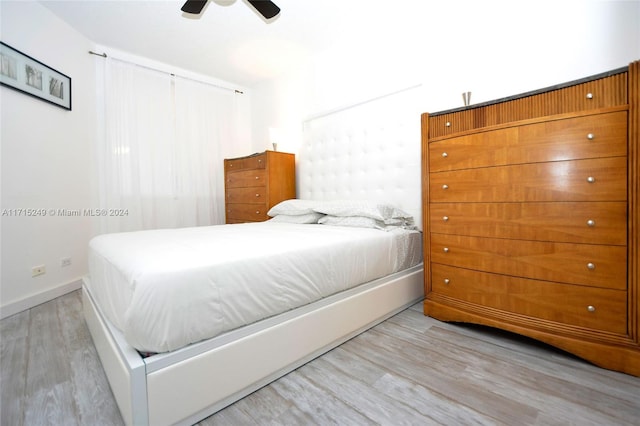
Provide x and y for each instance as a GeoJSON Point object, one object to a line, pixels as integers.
{"type": "Point", "coordinates": [369, 151]}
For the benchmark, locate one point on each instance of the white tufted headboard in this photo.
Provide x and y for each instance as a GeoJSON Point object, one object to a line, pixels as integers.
{"type": "Point", "coordinates": [370, 151]}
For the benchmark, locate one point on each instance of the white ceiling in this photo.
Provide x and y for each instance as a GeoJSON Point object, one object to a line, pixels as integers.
{"type": "Point", "coordinates": [229, 40]}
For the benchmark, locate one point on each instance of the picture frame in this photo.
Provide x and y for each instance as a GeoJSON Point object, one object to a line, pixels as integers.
{"type": "Point", "coordinates": [25, 74]}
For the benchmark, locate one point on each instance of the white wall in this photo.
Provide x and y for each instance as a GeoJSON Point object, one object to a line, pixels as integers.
{"type": "Point", "coordinates": [48, 162]}
{"type": "Point", "coordinates": [492, 48]}
{"type": "Point", "coordinates": [45, 162]}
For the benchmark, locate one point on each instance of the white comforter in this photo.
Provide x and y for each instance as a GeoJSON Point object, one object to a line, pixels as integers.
{"type": "Point", "coordinates": [167, 288]}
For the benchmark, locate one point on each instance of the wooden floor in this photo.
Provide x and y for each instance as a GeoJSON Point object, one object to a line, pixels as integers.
{"type": "Point", "coordinates": [408, 370]}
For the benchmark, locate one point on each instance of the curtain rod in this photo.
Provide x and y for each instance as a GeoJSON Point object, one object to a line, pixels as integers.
{"type": "Point", "coordinates": [104, 55]}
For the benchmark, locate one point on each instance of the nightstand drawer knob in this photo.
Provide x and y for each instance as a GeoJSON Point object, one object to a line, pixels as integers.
{"type": "Point", "coordinates": [445, 218]}
{"type": "Point", "coordinates": [257, 195]}
{"type": "Point", "coordinates": [448, 124]}
{"type": "Point", "coordinates": [591, 266]}
{"type": "Point", "coordinates": [446, 280]}
{"type": "Point", "coordinates": [591, 179]}
{"type": "Point", "coordinates": [591, 222]}
{"type": "Point", "coordinates": [589, 95]}
{"type": "Point", "coordinates": [590, 136]}
{"type": "Point", "coordinates": [257, 211]}
{"type": "Point", "coordinates": [591, 308]}
{"type": "Point", "coordinates": [445, 186]}
{"type": "Point", "coordinates": [445, 155]}
{"type": "Point", "coordinates": [446, 249]}
{"type": "Point", "coordinates": [257, 177]}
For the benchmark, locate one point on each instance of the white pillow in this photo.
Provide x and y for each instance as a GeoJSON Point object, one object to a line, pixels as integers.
{"type": "Point", "coordinates": [354, 221]}
{"type": "Point", "coordinates": [299, 218]}
{"type": "Point", "coordinates": [293, 207]}
{"type": "Point", "coordinates": [381, 212]}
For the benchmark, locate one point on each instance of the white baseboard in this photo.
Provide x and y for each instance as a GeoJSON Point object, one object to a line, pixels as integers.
{"type": "Point", "coordinates": [37, 299]}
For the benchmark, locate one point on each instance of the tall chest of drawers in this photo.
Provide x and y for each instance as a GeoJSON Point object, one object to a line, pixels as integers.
{"type": "Point", "coordinates": [255, 183]}
{"type": "Point", "coordinates": [531, 216]}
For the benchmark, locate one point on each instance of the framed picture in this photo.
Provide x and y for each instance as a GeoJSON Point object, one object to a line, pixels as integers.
{"type": "Point", "coordinates": [27, 75]}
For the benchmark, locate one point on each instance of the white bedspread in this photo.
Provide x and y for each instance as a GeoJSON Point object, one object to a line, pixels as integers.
{"type": "Point", "coordinates": [167, 288]}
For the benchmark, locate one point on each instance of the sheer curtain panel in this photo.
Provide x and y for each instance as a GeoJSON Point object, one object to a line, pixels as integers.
{"type": "Point", "coordinates": [159, 148]}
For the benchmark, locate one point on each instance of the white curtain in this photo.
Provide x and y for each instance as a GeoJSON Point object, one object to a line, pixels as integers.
{"type": "Point", "coordinates": [159, 148]}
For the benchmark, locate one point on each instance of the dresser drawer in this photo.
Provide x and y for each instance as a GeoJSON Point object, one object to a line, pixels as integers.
{"type": "Point", "coordinates": [593, 136]}
{"type": "Point", "coordinates": [607, 92]}
{"type": "Point", "coordinates": [247, 178]}
{"type": "Point", "coordinates": [594, 308]}
{"type": "Point", "coordinates": [585, 264]}
{"type": "Point", "coordinates": [569, 222]}
{"type": "Point", "coordinates": [245, 163]}
{"type": "Point", "coordinates": [579, 180]}
{"type": "Point", "coordinates": [246, 213]}
{"type": "Point", "coordinates": [251, 195]}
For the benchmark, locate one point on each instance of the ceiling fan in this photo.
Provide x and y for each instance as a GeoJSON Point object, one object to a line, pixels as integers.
{"type": "Point", "coordinates": [266, 8]}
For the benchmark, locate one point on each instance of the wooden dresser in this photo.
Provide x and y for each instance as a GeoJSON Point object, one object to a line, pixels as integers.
{"type": "Point", "coordinates": [256, 183]}
{"type": "Point", "coordinates": [531, 216]}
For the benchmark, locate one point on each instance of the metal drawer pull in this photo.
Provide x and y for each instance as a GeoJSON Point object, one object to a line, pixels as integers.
{"type": "Point", "coordinates": [589, 95]}
{"type": "Point", "coordinates": [257, 211]}
{"type": "Point", "coordinates": [591, 308]}
{"type": "Point", "coordinates": [446, 280]}
{"type": "Point", "coordinates": [591, 222]}
{"type": "Point", "coordinates": [445, 186]}
{"type": "Point", "coordinates": [448, 124]}
{"type": "Point", "coordinates": [445, 155]}
{"type": "Point", "coordinates": [591, 179]}
{"type": "Point", "coordinates": [257, 177]}
{"type": "Point", "coordinates": [257, 195]}
{"type": "Point", "coordinates": [446, 249]}
{"type": "Point", "coordinates": [590, 136]}
{"type": "Point", "coordinates": [591, 266]}
{"type": "Point", "coordinates": [445, 218]}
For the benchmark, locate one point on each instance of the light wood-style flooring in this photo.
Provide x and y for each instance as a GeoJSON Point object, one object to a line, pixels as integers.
{"type": "Point", "coordinates": [410, 369]}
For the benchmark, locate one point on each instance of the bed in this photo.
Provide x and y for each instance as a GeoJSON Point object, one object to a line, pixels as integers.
{"type": "Point", "coordinates": [166, 380]}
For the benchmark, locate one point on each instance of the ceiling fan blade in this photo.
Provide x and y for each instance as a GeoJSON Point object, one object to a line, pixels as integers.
{"type": "Point", "coordinates": [267, 8]}
{"type": "Point", "coordinates": [194, 6]}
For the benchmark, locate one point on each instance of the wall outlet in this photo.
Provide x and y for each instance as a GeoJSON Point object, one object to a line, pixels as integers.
{"type": "Point", "coordinates": [38, 270]}
{"type": "Point", "coordinates": [65, 261]}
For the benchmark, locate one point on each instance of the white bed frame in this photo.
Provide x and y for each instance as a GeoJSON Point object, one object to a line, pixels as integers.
{"type": "Point", "coordinates": [368, 151]}
{"type": "Point", "coordinates": [187, 385]}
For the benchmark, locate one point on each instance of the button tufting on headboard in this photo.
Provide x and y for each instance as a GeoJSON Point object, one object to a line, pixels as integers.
{"type": "Point", "coordinates": [371, 151]}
